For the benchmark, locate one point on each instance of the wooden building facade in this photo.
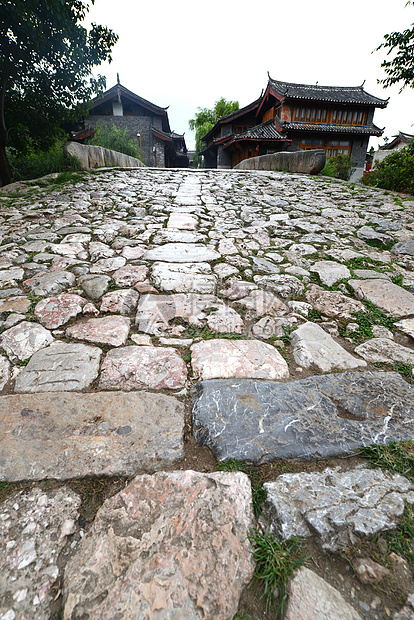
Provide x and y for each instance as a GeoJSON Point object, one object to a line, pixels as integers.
{"type": "Point", "coordinates": [338, 120]}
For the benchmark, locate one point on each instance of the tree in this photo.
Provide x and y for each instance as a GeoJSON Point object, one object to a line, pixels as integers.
{"type": "Point", "coordinates": [400, 68]}
{"type": "Point", "coordinates": [46, 58]}
{"type": "Point", "coordinates": [205, 119]}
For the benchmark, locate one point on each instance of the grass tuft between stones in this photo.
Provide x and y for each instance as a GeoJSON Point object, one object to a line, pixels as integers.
{"type": "Point", "coordinates": [276, 562]}
{"type": "Point", "coordinates": [365, 321]}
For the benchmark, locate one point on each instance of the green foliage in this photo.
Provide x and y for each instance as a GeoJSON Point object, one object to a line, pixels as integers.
{"type": "Point", "coordinates": [338, 167]}
{"type": "Point", "coordinates": [109, 136]}
{"type": "Point", "coordinates": [46, 58]}
{"type": "Point", "coordinates": [205, 119]}
{"type": "Point", "coordinates": [400, 67]}
{"type": "Point", "coordinates": [258, 492]}
{"type": "Point", "coordinates": [365, 321]}
{"type": "Point", "coordinates": [36, 163]}
{"type": "Point", "coordinates": [275, 563]}
{"type": "Point", "coordinates": [397, 458]}
{"type": "Point", "coordinates": [395, 172]}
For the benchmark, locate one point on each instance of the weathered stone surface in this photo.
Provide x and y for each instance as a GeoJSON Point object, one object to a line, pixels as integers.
{"type": "Point", "coordinates": [238, 289]}
{"type": "Point", "coordinates": [24, 339]}
{"type": "Point", "coordinates": [367, 232]}
{"type": "Point", "coordinates": [182, 221]}
{"type": "Point", "coordinates": [321, 416]}
{"type": "Point", "coordinates": [4, 371]}
{"type": "Point", "coordinates": [50, 283]}
{"type": "Point", "coordinates": [107, 265]}
{"type": "Point", "coordinates": [404, 247]}
{"type": "Point", "coordinates": [284, 285]}
{"type": "Point", "coordinates": [130, 275]}
{"type": "Point", "coordinates": [310, 596]}
{"type": "Point", "coordinates": [406, 326]}
{"type": "Point", "coordinates": [307, 162]}
{"type": "Point", "coordinates": [261, 302]}
{"type": "Point", "coordinates": [184, 278]}
{"type": "Point", "coordinates": [312, 346]}
{"type": "Point", "coordinates": [182, 253]}
{"type": "Point", "coordinates": [94, 285]}
{"type": "Point", "coordinates": [141, 367]}
{"type": "Point", "coordinates": [225, 320]}
{"type": "Point", "coordinates": [111, 330]}
{"type": "Point", "coordinates": [333, 303]}
{"type": "Point", "coordinates": [385, 350]}
{"type": "Point", "coordinates": [123, 301]}
{"type": "Point", "coordinates": [156, 311]}
{"type": "Point", "coordinates": [60, 366]}
{"type": "Point", "coordinates": [170, 235]}
{"type": "Point", "coordinates": [369, 571]}
{"type": "Point", "coordinates": [336, 506]}
{"type": "Point", "coordinates": [385, 295]}
{"type": "Point", "coordinates": [56, 311]}
{"type": "Point", "coordinates": [172, 545]}
{"type": "Point", "coordinates": [67, 435]}
{"type": "Point", "coordinates": [96, 156]}
{"type": "Point", "coordinates": [34, 529]}
{"type": "Point", "coordinates": [15, 304]}
{"type": "Point", "coordinates": [221, 359]}
{"type": "Point", "coordinates": [330, 272]}
{"type": "Point", "coordinates": [261, 265]}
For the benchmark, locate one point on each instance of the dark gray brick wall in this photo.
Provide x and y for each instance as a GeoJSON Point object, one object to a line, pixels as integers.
{"type": "Point", "coordinates": [134, 125]}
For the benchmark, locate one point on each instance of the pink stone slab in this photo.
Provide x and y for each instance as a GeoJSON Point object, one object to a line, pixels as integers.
{"type": "Point", "coordinates": [141, 367]}
{"type": "Point", "coordinates": [239, 359]}
{"type": "Point", "coordinates": [112, 330]}
{"type": "Point", "coordinates": [56, 311]}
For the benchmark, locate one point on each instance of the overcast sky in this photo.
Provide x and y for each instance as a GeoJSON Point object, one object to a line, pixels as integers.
{"type": "Point", "coordinates": [184, 54]}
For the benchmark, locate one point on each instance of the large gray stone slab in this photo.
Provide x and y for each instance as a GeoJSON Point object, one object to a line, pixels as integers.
{"type": "Point", "coordinates": [404, 247]}
{"type": "Point", "coordinates": [318, 417]}
{"type": "Point", "coordinates": [169, 546]}
{"type": "Point", "coordinates": [65, 435]}
{"type": "Point", "coordinates": [330, 271]}
{"type": "Point", "coordinates": [385, 295]}
{"type": "Point", "coordinates": [182, 253]}
{"type": "Point", "coordinates": [58, 367]}
{"type": "Point", "coordinates": [335, 507]}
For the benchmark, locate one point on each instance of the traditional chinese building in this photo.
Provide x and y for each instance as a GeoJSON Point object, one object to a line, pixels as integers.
{"type": "Point", "coordinates": [337, 119]}
{"type": "Point", "coordinates": [399, 141]}
{"type": "Point", "coordinates": [147, 123]}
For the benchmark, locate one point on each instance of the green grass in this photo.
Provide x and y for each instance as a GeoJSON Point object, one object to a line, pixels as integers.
{"type": "Point", "coordinates": [397, 458]}
{"type": "Point", "coordinates": [256, 480]}
{"type": "Point", "coordinates": [276, 562]}
{"type": "Point", "coordinates": [365, 321]}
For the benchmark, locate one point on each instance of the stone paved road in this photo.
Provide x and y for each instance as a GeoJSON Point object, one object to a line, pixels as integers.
{"type": "Point", "coordinates": [122, 290]}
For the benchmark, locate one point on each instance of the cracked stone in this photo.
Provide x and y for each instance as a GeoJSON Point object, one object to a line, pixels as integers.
{"type": "Point", "coordinates": [110, 330]}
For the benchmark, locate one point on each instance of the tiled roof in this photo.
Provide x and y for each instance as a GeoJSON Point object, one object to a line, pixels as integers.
{"type": "Point", "coordinates": [266, 131]}
{"type": "Point", "coordinates": [371, 130]}
{"type": "Point", "coordinates": [333, 94]}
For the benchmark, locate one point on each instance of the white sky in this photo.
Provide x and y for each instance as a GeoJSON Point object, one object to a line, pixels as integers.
{"type": "Point", "coordinates": [184, 53]}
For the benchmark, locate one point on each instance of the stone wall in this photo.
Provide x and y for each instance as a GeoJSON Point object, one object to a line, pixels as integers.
{"type": "Point", "coordinates": [98, 157]}
{"type": "Point", "coordinates": [134, 125]}
{"type": "Point", "coordinates": [306, 162]}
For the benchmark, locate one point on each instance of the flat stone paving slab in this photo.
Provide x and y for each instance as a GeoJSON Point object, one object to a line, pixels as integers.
{"type": "Point", "coordinates": [58, 367]}
{"type": "Point", "coordinates": [318, 417]}
{"type": "Point", "coordinates": [65, 435]}
{"type": "Point", "coordinates": [142, 367]}
{"type": "Point", "coordinates": [385, 295]}
{"type": "Point", "coordinates": [182, 253]}
{"type": "Point", "coordinates": [222, 358]}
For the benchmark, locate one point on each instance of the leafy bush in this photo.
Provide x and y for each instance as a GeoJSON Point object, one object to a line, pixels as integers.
{"type": "Point", "coordinates": [116, 139]}
{"type": "Point", "coordinates": [35, 163]}
{"type": "Point", "coordinates": [395, 172]}
{"type": "Point", "coordinates": [338, 167]}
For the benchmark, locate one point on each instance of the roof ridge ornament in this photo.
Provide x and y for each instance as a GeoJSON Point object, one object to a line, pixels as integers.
{"type": "Point", "coordinates": [117, 79]}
